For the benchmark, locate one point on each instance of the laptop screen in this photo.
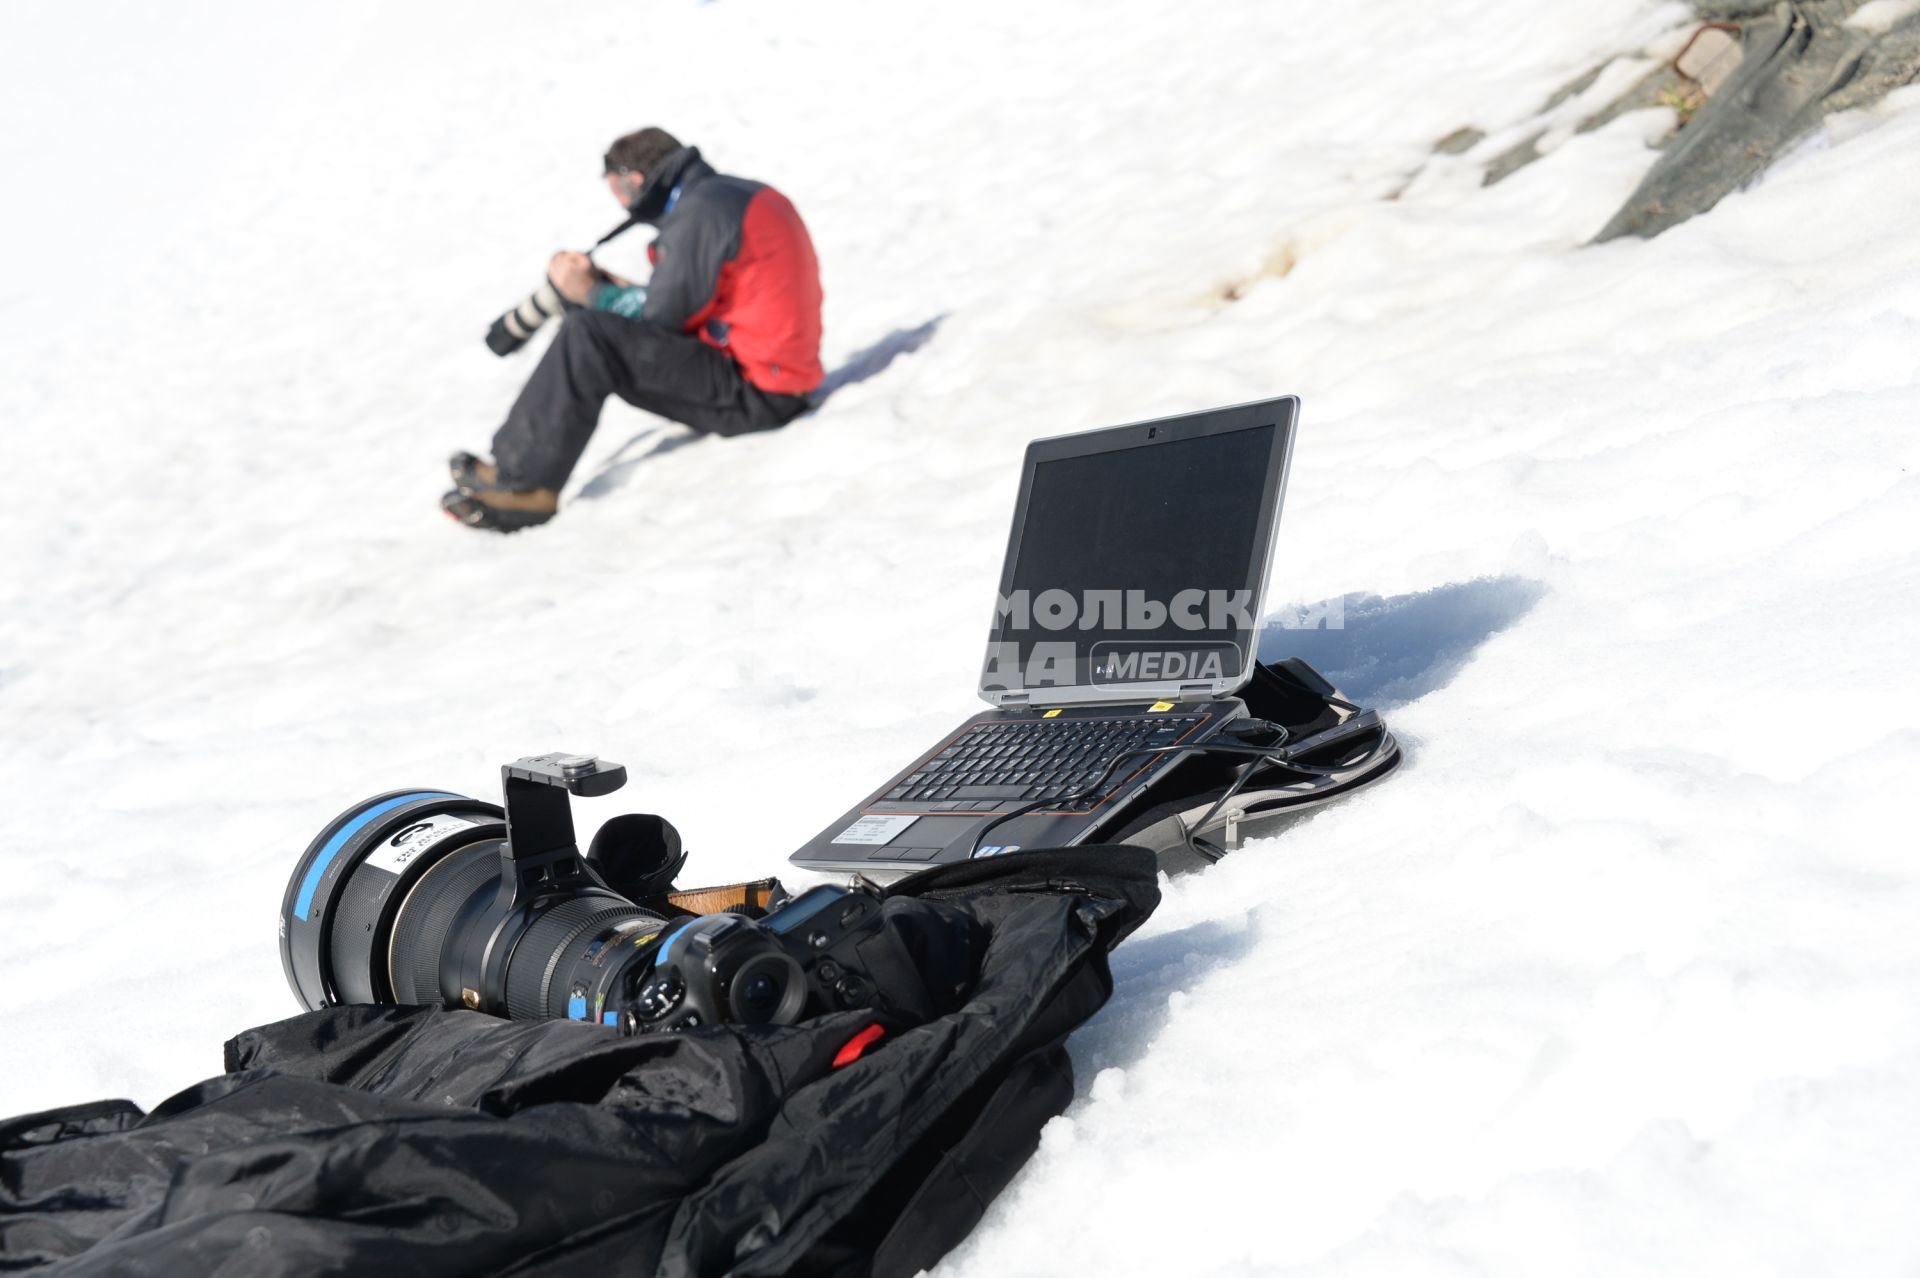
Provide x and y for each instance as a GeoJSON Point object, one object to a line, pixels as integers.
{"type": "Point", "coordinates": [1136, 564]}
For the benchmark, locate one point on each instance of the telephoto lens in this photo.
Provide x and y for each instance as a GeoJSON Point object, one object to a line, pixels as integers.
{"type": "Point", "coordinates": [427, 897]}
{"type": "Point", "coordinates": [516, 327]}
{"type": "Point", "coordinates": [415, 897]}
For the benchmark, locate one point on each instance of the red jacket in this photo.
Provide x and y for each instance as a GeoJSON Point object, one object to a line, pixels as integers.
{"type": "Point", "coordinates": [734, 264]}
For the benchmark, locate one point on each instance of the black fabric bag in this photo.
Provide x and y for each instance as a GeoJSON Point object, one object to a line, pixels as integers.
{"type": "Point", "coordinates": [381, 1140]}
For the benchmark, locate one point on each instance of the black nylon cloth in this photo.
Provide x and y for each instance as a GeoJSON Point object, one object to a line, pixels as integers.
{"type": "Point", "coordinates": [381, 1140]}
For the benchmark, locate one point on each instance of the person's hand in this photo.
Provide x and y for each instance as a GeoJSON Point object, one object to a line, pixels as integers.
{"type": "Point", "coordinates": [573, 276]}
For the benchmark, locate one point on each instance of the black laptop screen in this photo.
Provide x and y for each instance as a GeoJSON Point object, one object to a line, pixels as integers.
{"type": "Point", "coordinates": [1136, 565]}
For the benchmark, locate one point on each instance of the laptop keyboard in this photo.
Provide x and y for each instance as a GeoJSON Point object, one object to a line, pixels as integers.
{"type": "Point", "coordinates": [998, 765]}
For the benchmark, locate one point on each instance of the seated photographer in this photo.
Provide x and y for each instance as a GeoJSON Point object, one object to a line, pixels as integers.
{"type": "Point", "coordinates": [724, 337]}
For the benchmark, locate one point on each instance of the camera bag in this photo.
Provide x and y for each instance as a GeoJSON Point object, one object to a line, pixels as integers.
{"type": "Point", "coordinates": [369, 1139]}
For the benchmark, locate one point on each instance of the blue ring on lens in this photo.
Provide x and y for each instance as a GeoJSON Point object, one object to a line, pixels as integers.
{"type": "Point", "coordinates": [311, 884]}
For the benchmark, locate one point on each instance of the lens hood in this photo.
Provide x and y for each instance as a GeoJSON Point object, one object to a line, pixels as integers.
{"type": "Point", "coordinates": [336, 915]}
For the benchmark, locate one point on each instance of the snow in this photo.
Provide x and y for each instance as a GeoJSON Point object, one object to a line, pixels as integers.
{"type": "Point", "coordinates": [1617, 976]}
{"type": "Point", "coordinates": [1877, 16]}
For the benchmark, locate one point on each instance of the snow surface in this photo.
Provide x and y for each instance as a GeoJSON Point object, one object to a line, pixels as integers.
{"type": "Point", "coordinates": [1619, 974]}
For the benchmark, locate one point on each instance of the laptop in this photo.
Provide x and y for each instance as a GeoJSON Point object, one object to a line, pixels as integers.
{"type": "Point", "coordinates": [1126, 621]}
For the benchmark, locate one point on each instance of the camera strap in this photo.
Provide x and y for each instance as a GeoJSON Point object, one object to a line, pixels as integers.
{"type": "Point", "coordinates": [752, 899]}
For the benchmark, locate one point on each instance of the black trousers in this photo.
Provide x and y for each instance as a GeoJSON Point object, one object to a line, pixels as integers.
{"type": "Point", "coordinates": [596, 354]}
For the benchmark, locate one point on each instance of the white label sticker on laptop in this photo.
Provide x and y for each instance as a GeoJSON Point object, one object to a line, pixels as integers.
{"type": "Point", "coordinates": [874, 830]}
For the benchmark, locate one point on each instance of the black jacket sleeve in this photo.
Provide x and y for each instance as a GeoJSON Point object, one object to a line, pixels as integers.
{"type": "Point", "coordinates": [691, 249]}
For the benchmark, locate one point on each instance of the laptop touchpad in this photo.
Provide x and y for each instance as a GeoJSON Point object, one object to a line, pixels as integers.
{"type": "Point", "coordinates": [933, 832]}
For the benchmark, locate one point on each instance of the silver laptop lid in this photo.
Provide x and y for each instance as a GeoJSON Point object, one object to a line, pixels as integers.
{"type": "Point", "coordinates": [1137, 565]}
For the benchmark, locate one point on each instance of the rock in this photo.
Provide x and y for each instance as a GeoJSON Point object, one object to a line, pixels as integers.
{"type": "Point", "coordinates": [1797, 64]}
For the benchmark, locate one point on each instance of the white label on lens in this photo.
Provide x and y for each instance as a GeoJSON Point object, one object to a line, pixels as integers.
{"type": "Point", "coordinates": [874, 830]}
{"type": "Point", "coordinates": [398, 852]}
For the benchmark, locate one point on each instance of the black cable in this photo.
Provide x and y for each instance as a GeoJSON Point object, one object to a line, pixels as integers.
{"type": "Point", "coordinates": [1260, 754]}
{"type": "Point", "coordinates": [1072, 795]}
{"type": "Point", "coordinates": [619, 230]}
{"type": "Point", "coordinates": [1210, 853]}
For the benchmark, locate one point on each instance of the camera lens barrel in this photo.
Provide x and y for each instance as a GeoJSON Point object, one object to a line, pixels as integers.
{"type": "Point", "coordinates": [516, 327]}
{"type": "Point", "coordinates": [426, 897]}
{"type": "Point", "coordinates": [339, 908]}
{"type": "Point", "coordinates": [571, 957]}
{"type": "Point", "coordinates": [399, 900]}
{"type": "Point", "coordinates": [436, 903]}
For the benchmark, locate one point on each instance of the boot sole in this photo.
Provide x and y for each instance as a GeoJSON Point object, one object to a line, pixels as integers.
{"type": "Point", "coordinates": [466, 508]}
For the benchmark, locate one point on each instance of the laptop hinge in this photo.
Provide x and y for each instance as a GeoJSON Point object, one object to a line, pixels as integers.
{"type": "Point", "coordinates": [1135, 698]}
{"type": "Point", "coordinates": [1119, 696]}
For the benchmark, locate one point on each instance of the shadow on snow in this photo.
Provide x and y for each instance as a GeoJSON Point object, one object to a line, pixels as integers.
{"type": "Point", "coordinates": [1394, 650]}
{"type": "Point", "coordinates": [859, 367]}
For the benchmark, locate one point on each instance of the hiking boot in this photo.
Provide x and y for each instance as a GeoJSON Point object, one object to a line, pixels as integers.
{"type": "Point", "coordinates": [502, 510]}
{"type": "Point", "coordinates": [473, 474]}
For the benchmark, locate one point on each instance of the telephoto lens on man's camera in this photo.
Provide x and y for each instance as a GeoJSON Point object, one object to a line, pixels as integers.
{"type": "Point", "coordinates": [516, 327]}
